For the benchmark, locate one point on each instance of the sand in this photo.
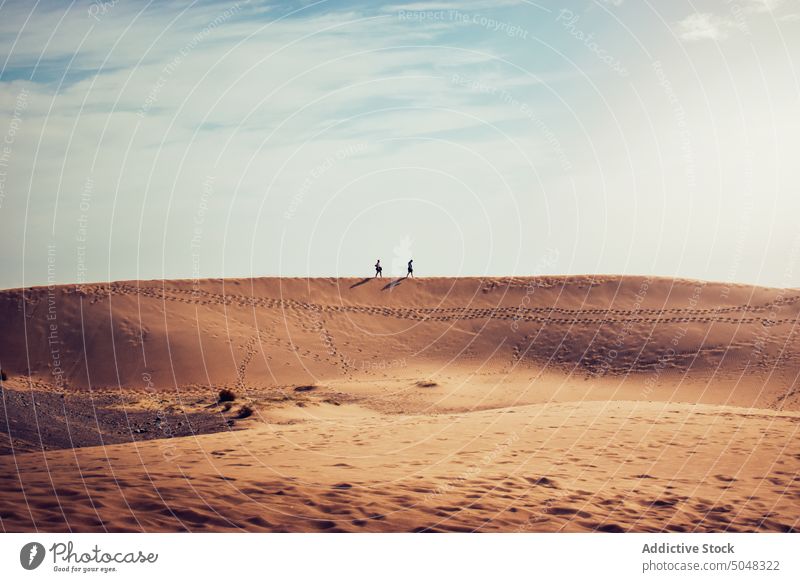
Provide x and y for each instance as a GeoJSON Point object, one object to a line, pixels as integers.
{"type": "Point", "coordinates": [600, 403]}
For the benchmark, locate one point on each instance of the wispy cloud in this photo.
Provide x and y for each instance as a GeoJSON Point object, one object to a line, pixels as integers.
{"type": "Point", "coordinates": [452, 5]}
{"type": "Point", "coordinates": [760, 6]}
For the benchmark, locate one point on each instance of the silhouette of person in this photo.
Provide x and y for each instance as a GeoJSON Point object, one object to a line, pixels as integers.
{"type": "Point", "coordinates": [410, 269]}
{"type": "Point", "coordinates": [378, 269]}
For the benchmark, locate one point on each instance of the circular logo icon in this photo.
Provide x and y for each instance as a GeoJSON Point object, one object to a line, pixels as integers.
{"type": "Point", "coordinates": [31, 555]}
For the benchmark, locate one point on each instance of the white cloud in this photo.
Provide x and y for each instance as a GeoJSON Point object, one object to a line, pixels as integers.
{"type": "Point", "coordinates": [709, 26]}
{"type": "Point", "coordinates": [704, 26]}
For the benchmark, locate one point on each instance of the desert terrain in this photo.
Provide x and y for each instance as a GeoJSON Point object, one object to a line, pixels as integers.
{"type": "Point", "coordinates": [544, 404]}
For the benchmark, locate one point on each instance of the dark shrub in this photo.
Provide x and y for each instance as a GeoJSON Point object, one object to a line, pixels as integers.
{"type": "Point", "coordinates": [226, 395]}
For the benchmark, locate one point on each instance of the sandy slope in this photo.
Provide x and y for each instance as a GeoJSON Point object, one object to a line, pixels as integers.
{"type": "Point", "coordinates": [545, 404]}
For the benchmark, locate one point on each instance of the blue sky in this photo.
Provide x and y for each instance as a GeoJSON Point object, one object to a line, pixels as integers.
{"type": "Point", "coordinates": [157, 140]}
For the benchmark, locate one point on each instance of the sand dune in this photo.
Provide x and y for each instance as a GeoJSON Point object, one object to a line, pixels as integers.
{"type": "Point", "coordinates": [542, 404]}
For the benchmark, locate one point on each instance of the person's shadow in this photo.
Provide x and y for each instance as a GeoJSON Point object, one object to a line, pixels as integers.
{"type": "Point", "coordinates": [392, 284]}
{"type": "Point", "coordinates": [362, 282]}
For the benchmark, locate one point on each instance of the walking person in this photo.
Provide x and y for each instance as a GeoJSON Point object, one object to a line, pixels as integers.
{"type": "Point", "coordinates": [378, 269]}
{"type": "Point", "coordinates": [410, 269]}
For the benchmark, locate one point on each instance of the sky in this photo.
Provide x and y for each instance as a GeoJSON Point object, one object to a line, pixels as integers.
{"type": "Point", "coordinates": [160, 140]}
